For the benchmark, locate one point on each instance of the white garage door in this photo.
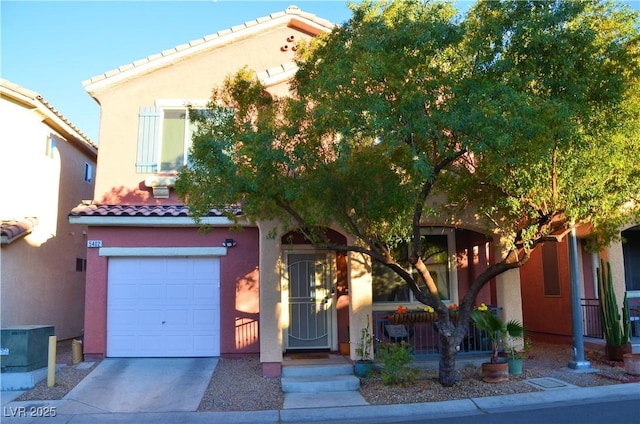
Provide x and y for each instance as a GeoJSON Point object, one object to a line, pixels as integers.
{"type": "Point", "coordinates": [163, 307]}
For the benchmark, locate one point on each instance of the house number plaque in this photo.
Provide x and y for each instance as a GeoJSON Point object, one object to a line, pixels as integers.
{"type": "Point", "coordinates": [94, 243]}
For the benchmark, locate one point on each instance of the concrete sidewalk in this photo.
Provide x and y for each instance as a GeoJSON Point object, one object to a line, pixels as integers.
{"type": "Point", "coordinates": [66, 412]}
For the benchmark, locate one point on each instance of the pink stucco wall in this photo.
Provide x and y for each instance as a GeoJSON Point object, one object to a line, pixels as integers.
{"type": "Point", "coordinates": [239, 285]}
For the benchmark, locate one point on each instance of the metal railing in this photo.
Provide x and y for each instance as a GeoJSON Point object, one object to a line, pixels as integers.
{"type": "Point", "coordinates": [423, 336]}
{"type": "Point", "coordinates": [591, 322]}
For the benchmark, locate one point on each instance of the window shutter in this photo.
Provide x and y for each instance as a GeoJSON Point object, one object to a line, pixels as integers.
{"type": "Point", "coordinates": [148, 133]}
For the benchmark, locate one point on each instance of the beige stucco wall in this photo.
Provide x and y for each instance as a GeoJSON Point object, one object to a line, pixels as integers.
{"type": "Point", "coordinates": [616, 259]}
{"type": "Point", "coordinates": [192, 80]}
{"type": "Point", "coordinates": [270, 296]}
{"type": "Point", "coordinates": [360, 296]}
{"type": "Point", "coordinates": [39, 281]}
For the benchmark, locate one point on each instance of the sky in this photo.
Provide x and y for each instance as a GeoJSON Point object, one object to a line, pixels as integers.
{"type": "Point", "coordinates": [51, 47]}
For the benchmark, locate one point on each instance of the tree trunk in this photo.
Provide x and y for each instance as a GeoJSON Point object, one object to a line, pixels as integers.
{"type": "Point", "coordinates": [447, 373]}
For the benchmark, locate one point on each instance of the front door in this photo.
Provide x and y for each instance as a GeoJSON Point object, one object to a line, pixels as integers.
{"type": "Point", "coordinates": [311, 303]}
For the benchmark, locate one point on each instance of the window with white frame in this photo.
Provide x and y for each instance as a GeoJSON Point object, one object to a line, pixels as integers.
{"type": "Point", "coordinates": [438, 249]}
{"type": "Point", "coordinates": [164, 135]}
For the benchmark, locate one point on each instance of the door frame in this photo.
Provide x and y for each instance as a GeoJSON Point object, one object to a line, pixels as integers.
{"type": "Point", "coordinates": [284, 292]}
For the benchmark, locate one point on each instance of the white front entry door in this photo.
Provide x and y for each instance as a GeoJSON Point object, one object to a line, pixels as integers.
{"type": "Point", "coordinates": [311, 303]}
{"type": "Point", "coordinates": [163, 307]}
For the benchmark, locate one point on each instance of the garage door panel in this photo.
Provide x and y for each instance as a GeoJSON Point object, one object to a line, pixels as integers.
{"type": "Point", "coordinates": [179, 317]}
{"type": "Point", "coordinates": [124, 317]}
{"type": "Point", "coordinates": [150, 317]}
{"type": "Point", "coordinates": [163, 307]}
{"type": "Point", "coordinates": [204, 317]}
{"type": "Point", "coordinates": [204, 293]}
{"type": "Point", "coordinates": [180, 292]}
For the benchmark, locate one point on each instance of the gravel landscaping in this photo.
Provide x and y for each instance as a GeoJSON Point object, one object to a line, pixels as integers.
{"type": "Point", "coordinates": [237, 384]}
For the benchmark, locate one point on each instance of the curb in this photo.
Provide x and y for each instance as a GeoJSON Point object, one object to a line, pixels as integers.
{"type": "Point", "coordinates": [452, 408]}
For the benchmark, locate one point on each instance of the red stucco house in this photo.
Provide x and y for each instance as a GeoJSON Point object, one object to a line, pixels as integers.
{"type": "Point", "coordinates": [159, 286]}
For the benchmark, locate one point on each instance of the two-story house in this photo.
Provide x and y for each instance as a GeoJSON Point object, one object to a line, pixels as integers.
{"type": "Point", "coordinates": [49, 166]}
{"type": "Point", "coordinates": [158, 286]}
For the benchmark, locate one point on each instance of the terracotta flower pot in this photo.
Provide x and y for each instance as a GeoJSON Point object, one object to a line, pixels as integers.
{"type": "Point", "coordinates": [632, 363]}
{"type": "Point", "coordinates": [495, 373]}
{"type": "Point", "coordinates": [616, 353]}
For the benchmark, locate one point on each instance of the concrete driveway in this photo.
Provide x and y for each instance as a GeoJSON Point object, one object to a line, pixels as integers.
{"type": "Point", "coordinates": [141, 385]}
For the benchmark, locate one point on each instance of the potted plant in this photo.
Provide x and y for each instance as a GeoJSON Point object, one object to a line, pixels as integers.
{"type": "Point", "coordinates": [497, 330]}
{"type": "Point", "coordinates": [364, 365]}
{"type": "Point", "coordinates": [516, 355]}
{"type": "Point", "coordinates": [616, 329]}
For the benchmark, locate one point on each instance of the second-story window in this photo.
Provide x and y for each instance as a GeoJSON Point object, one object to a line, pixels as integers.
{"type": "Point", "coordinates": [164, 136]}
{"type": "Point", "coordinates": [176, 139]}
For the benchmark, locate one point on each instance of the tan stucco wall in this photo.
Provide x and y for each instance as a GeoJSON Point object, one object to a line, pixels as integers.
{"type": "Point", "coordinates": [191, 79]}
{"type": "Point", "coordinates": [616, 259]}
{"type": "Point", "coordinates": [361, 297]}
{"type": "Point", "coordinates": [39, 281]}
{"type": "Point", "coordinates": [270, 300]}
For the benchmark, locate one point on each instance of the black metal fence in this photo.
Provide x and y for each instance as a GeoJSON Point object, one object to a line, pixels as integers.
{"type": "Point", "coordinates": [591, 322]}
{"type": "Point", "coordinates": [423, 336]}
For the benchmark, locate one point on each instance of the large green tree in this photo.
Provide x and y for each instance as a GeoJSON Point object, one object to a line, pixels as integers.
{"type": "Point", "coordinates": [525, 112]}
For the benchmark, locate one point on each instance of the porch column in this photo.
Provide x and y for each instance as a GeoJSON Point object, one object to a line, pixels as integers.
{"type": "Point", "coordinates": [270, 301]}
{"type": "Point", "coordinates": [361, 297]}
{"type": "Point", "coordinates": [508, 294]}
{"type": "Point", "coordinates": [615, 257]}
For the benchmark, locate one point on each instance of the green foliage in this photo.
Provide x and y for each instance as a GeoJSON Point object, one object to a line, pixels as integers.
{"type": "Point", "coordinates": [521, 118]}
{"type": "Point", "coordinates": [364, 348]}
{"type": "Point", "coordinates": [615, 328]}
{"type": "Point", "coordinates": [496, 329]}
{"type": "Point", "coordinates": [396, 358]}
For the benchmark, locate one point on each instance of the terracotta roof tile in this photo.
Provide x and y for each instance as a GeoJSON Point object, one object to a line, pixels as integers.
{"type": "Point", "coordinates": [12, 229]}
{"type": "Point", "coordinates": [142, 211]}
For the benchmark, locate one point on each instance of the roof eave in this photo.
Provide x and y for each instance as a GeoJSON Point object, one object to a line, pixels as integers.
{"type": "Point", "coordinates": [293, 17]}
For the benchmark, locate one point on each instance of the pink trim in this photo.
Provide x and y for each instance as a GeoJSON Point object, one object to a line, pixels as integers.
{"type": "Point", "coordinates": [271, 369]}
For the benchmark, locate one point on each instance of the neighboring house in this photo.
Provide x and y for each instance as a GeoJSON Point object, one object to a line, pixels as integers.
{"type": "Point", "coordinates": [546, 286]}
{"type": "Point", "coordinates": [159, 286]}
{"type": "Point", "coordinates": [48, 167]}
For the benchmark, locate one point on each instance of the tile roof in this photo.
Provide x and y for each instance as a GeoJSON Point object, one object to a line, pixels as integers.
{"type": "Point", "coordinates": [143, 211]}
{"type": "Point", "coordinates": [293, 13]}
{"type": "Point", "coordinates": [10, 89]}
{"type": "Point", "coordinates": [12, 230]}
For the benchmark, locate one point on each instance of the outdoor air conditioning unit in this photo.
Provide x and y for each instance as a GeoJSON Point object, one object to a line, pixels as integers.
{"type": "Point", "coordinates": [24, 348]}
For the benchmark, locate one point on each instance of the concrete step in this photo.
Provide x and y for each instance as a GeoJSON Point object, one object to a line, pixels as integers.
{"type": "Point", "coordinates": [317, 384]}
{"type": "Point", "coordinates": [316, 370]}
{"type": "Point", "coordinates": [323, 400]}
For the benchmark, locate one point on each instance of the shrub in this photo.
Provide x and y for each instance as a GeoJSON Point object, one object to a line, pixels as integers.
{"type": "Point", "coordinates": [396, 359]}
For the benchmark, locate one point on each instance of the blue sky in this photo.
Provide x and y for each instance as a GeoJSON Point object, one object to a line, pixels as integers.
{"type": "Point", "coordinates": [51, 47]}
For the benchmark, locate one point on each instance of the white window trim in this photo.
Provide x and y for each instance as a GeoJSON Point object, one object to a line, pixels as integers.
{"type": "Point", "coordinates": [168, 104]}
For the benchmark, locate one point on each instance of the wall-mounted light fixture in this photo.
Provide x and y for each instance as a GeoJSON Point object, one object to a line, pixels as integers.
{"type": "Point", "coordinates": [229, 242]}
